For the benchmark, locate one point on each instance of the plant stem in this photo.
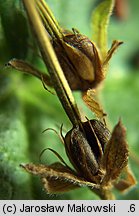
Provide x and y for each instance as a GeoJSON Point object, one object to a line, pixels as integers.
{"type": "Point", "coordinates": [59, 81]}
{"type": "Point", "coordinates": [50, 22]}
{"type": "Point", "coordinates": [104, 194]}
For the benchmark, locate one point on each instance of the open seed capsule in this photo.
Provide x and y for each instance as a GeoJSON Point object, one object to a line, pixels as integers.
{"type": "Point", "coordinates": [85, 148]}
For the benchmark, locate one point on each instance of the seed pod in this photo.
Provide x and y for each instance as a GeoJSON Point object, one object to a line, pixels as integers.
{"type": "Point", "coordinates": [79, 60]}
{"type": "Point", "coordinates": [85, 148]}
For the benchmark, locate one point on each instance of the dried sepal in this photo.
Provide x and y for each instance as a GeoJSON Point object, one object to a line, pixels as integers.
{"type": "Point", "coordinates": [56, 185]}
{"type": "Point", "coordinates": [93, 104]}
{"type": "Point", "coordinates": [25, 67]}
{"type": "Point", "coordinates": [116, 153]}
{"type": "Point", "coordinates": [126, 180]}
{"type": "Point", "coordinates": [114, 47]}
{"type": "Point", "coordinates": [57, 177]}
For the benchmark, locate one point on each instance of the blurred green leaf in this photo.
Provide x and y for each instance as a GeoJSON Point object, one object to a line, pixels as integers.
{"type": "Point", "coordinates": [125, 89]}
{"type": "Point", "coordinates": [13, 145]}
{"type": "Point", "coordinates": [15, 29]}
{"type": "Point", "coordinates": [100, 20]}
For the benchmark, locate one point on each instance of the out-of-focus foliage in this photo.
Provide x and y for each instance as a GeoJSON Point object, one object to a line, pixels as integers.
{"type": "Point", "coordinates": [15, 31]}
{"type": "Point", "coordinates": [100, 21]}
{"type": "Point", "coordinates": [26, 109]}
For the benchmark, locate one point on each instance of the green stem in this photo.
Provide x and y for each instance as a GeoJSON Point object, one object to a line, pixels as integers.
{"type": "Point", "coordinates": [59, 81]}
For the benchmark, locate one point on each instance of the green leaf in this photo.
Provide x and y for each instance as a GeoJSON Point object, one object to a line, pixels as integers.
{"type": "Point", "coordinates": [14, 183]}
{"type": "Point", "coordinates": [100, 20]}
{"type": "Point", "coordinates": [15, 30]}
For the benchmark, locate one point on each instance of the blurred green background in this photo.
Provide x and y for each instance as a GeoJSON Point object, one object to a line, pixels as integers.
{"type": "Point", "coordinates": [26, 109]}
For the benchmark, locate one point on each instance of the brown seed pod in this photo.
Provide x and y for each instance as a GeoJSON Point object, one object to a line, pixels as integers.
{"type": "Point", "coordinates": [80, 60]}
{"type": "Point", "coordinates": [99, 160]}
{"type": "Point", "coordinates": [85, 148]}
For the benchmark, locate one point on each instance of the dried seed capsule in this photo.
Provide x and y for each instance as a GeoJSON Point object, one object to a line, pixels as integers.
{"type": "Point", "coordinates": [85, 148]}
{"type": "Point", "coordinates": [79, 60]}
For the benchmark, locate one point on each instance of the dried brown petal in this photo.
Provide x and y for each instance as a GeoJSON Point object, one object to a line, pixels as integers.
{"type": "Point", "coordinates": [57, 177]}
{"type": "Point", "coordinates": [93, 104]}
{"type": "Point", "coordinates": [116, 153]}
